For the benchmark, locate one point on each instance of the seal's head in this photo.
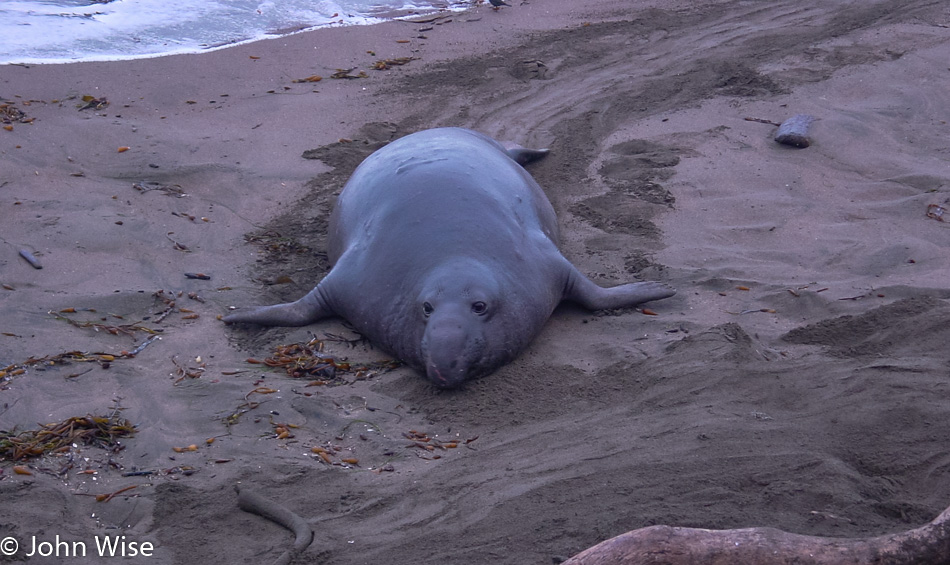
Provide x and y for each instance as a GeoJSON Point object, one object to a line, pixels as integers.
{"type": "Point", "coordinates": [457, 305]}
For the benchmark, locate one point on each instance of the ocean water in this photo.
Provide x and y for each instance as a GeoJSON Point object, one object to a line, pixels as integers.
{"type": "Point", "coordinates": [57, 31]}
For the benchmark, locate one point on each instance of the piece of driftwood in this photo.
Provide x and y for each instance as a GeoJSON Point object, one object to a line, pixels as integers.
{"type": "Point", "coordinates": [927, 545]}
{"type": "Point", "coordinates": [30, 258]}
{"type": "Point", "coordinates": [794, 131]}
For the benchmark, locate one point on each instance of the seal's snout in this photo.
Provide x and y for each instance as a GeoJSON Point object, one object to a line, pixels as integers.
{"type": "Point", "coordinates": [447, 345]}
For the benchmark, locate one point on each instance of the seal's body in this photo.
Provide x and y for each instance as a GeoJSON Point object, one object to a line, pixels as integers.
{"type": "Point", "coordinates": [444, 252]}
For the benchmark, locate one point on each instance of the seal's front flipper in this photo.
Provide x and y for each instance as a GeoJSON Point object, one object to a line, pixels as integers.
{"type": "Point", "coordinates": [585, 292]}
{"type": "Point", "coordinates": [523, 155]}
{"type": "Point", "coordinates": [307, 310]}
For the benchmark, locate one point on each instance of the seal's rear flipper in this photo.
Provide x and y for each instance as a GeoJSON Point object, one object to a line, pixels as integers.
{"type": "Point", "coordinates": [523, 155]}
{"type": "Point", "coordinates": [585, 292]}
{"type": "Point", "coordinates": [307, 310]}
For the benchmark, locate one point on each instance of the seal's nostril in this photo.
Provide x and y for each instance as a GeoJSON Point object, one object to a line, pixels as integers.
{"type": "Point", "coordinates": [454, 364]}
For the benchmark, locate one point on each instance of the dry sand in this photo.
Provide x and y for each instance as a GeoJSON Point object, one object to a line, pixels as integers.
{"type": "Point", "coordinates": [800, 379]}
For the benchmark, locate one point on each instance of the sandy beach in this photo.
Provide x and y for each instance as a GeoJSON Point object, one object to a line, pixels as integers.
{"type": "Point", "coordinates": [799, 379]}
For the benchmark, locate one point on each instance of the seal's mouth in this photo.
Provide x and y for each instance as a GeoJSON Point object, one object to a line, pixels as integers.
{"type": "Point", "coordinates": [450, 378]}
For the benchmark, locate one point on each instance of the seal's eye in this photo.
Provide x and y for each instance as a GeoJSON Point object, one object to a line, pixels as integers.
{"type": "Point", "coordinates": [427, 309]}
{"type": "Point", "coordinates": [479, 307]}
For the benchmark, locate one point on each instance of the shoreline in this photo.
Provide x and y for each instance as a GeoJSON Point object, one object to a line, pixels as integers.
{"type": "Point", "coordinates": [289, 28]}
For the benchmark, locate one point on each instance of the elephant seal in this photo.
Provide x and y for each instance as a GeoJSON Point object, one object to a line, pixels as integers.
{"type": "Point", "coordinates": [444, 252]}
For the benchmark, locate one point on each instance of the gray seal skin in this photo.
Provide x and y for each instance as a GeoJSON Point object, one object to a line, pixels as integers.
{"type": "Point", "coordinates": [444, 252]}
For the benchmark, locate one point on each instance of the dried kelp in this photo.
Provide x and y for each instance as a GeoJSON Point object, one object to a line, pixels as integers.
{"type": "Point", "coordinates": [277, 246]}
{"type": "Point", "coordinates": [167, 298]}
{"type": "Point", "coordinates": [167, 189]}
{"type": "Point", "coordinates": [67, 357]}
{"type": "Point", "coordinates": [306, 360]}
{"type": "Point", "coordinates": [90, 102]}
{"type": "Point", "coordinates": [348, 73]}
{"type": "Point", "coordinates": [127, 329]}
{"type": "Point", "coordinates": [10, 114]}
{"type": "Point", "coordinates": [386, 64]}
{"type": "Point", "coordinates": [57, 437]}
